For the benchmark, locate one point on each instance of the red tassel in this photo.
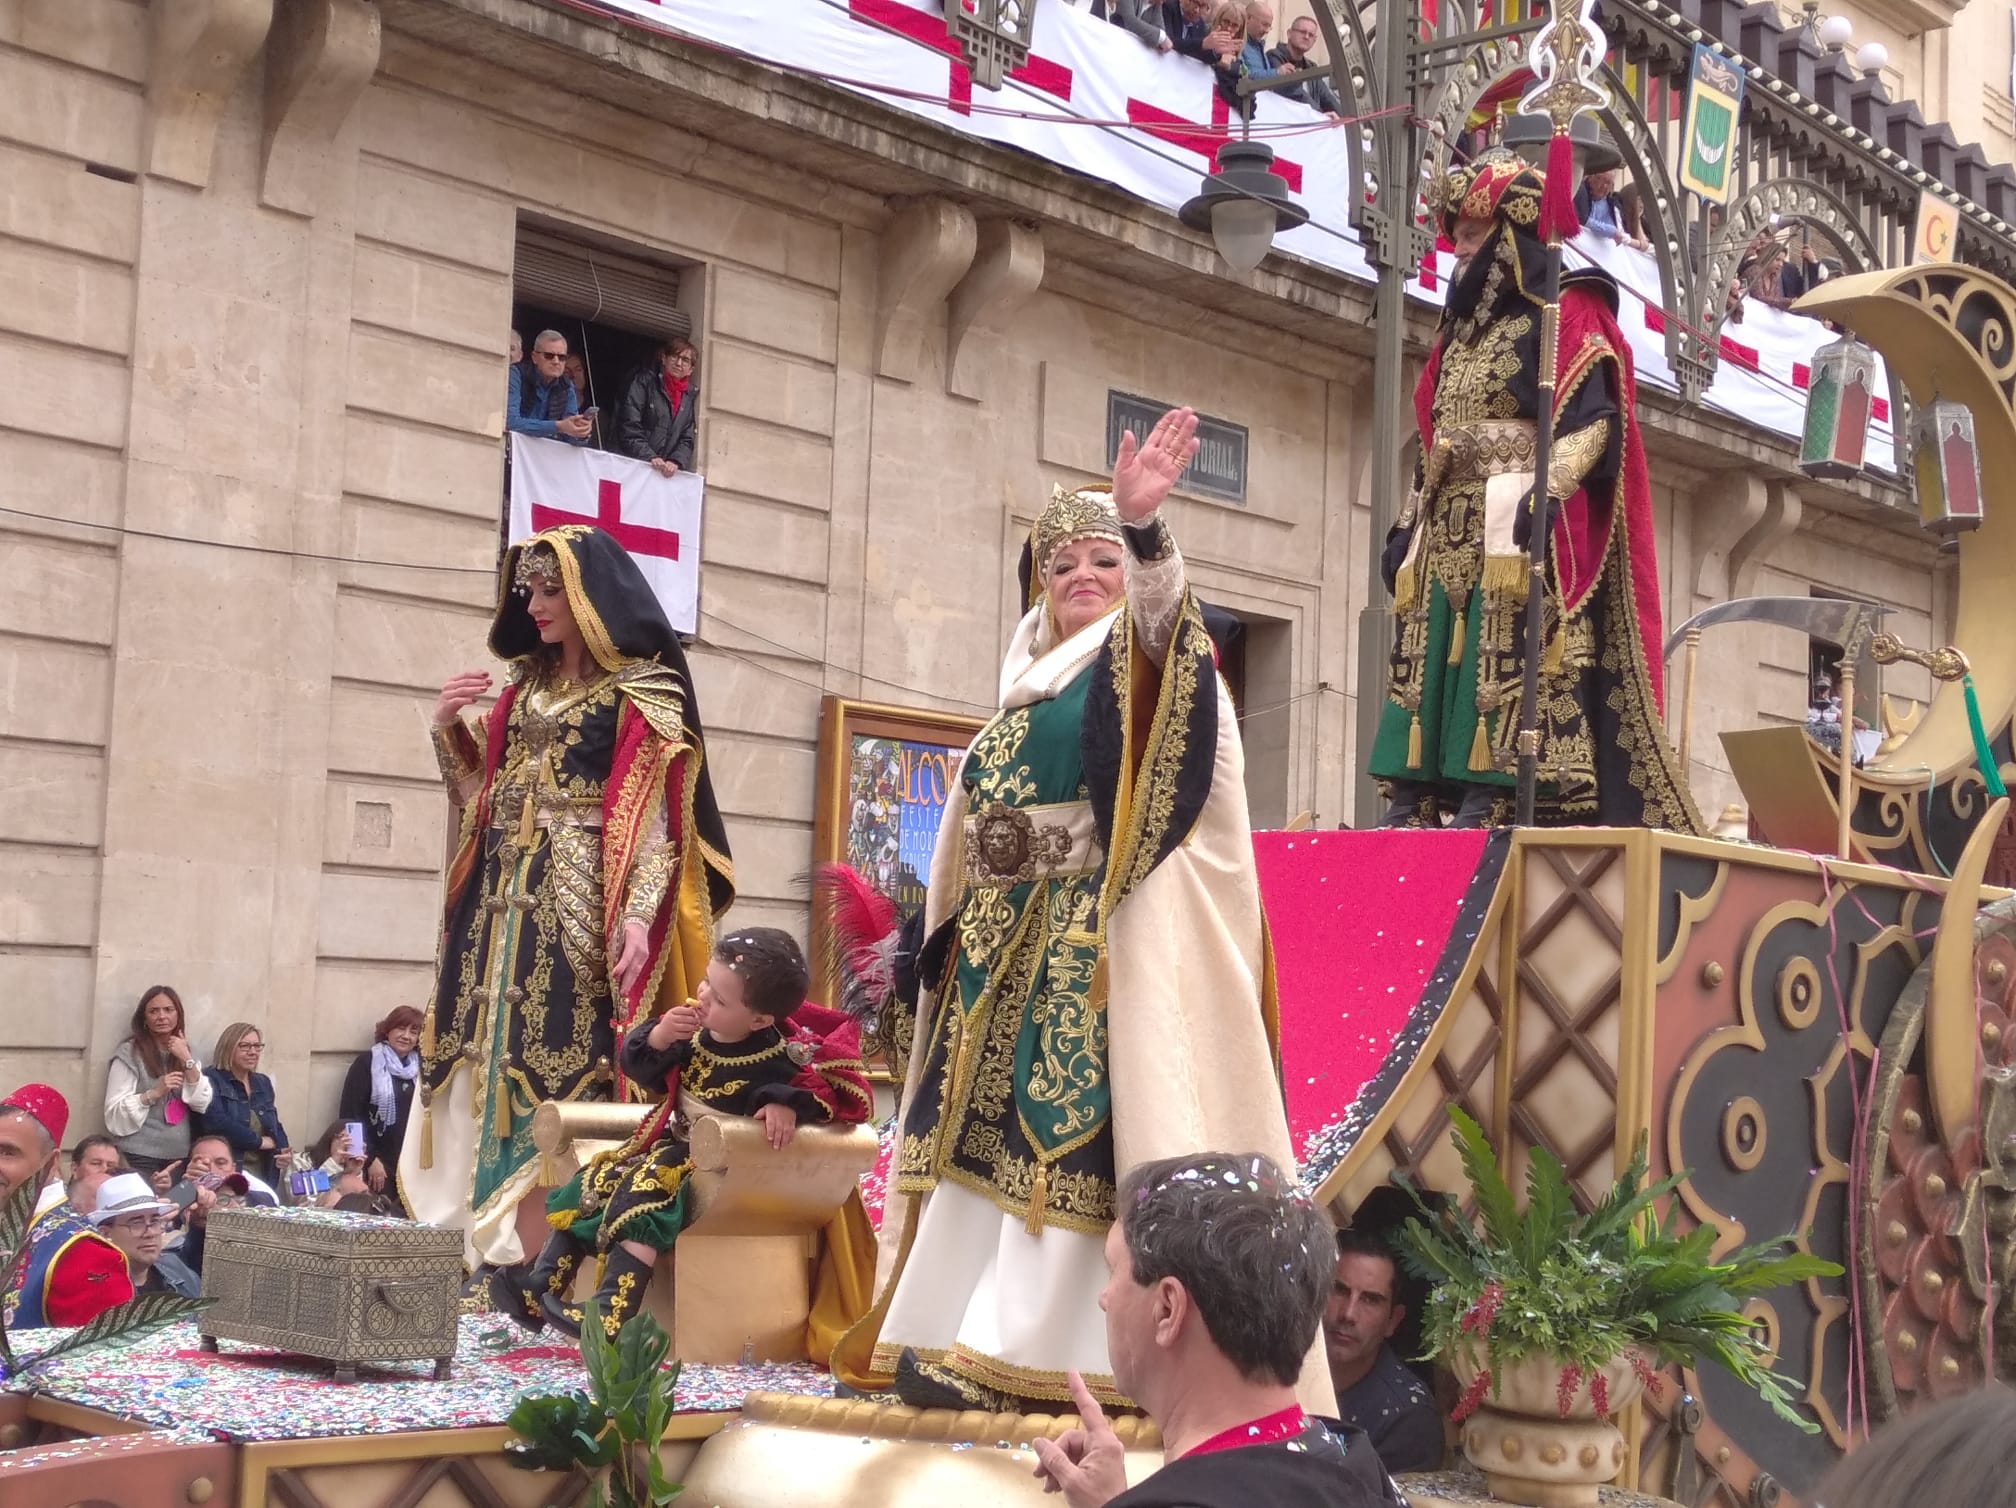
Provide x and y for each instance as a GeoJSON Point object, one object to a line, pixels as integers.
{"type": "Point", "coordinates": [1558, 221]}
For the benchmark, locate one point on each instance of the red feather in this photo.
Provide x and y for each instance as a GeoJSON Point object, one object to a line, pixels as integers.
{"type": "Point", "coordinates": [863, 924]}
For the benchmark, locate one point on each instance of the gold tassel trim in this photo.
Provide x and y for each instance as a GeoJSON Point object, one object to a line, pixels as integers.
{"type": "Point", "coordinates": [1480, 745]}
{"type": "Point", "coordinates": [1556, 652]}
{"type": "Point", "coordinates": [1504, 576]}
{"type": "Point", "coordinates": [1039, 1197]}
{"type": "Point", "coordinates": [526, 824]}
{"type": "Point", "coordinates": [1414, 743]}
{"type": "Point", "coordinates": [1457, 623]}
{"type": "Point", "coordinates": [1406, 588]}
{"type": "Point", "coordinates": [426, 1137]}
{"type": "Point", "coordinates": [563, 1219]}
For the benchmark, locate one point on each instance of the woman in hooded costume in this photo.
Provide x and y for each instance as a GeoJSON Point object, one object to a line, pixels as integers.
{"type": "Point", "coordinates": [590, 867]}
{"type": "Point", "coordinates": [1096, 968]}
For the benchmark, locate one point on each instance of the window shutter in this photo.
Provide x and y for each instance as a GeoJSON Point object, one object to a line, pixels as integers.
{"type": "Point", "coordinates": [598, 285]}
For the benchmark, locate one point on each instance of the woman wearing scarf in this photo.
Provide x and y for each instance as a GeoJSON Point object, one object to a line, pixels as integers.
{"type": "Point", "coordinates": [378, 1092]}
{"type": "Point", "coordinates": [589, 869]}
{"type": "Point", "coordinates": [1097, 985]}
{"type": "Point", "coordinates": [655, 421]}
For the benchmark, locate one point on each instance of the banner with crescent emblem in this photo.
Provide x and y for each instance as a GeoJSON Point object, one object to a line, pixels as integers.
{"type": "Point", "coordinates": [1714, 102]}
{"type": "Point", "coordinates": [1937, 230]}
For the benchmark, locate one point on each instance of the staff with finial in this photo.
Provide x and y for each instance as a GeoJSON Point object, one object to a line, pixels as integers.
{"type": "Point", "coordinates": [1566, 56]}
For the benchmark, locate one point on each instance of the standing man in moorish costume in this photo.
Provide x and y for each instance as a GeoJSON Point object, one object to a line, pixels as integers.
{"type": "Point", "coordinates": [590, 867]}
{"type": "Point", "coordinates": [1457, 560]}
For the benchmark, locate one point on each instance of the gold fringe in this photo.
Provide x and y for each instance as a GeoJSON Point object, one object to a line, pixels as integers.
{"type": "Point", "coordinates": [426, 1137]}
{"type": "Point", "coordinates": [1039, 1196]}
{"type": "Point", "coordinates": [1414, 743]}
{"type": "Point", "coordinates": [563, 1219]}
{"type": "Point", "coordinates": [1457, 623]}
{"type": "Point", "coordinates": [526, 823]}
{"type": "Point", "coordinates": [1480, 745]}
{"type": "Point", "coordinates": [1406, 588]}
{"type": "Point", "coordinates": [1504, 575]}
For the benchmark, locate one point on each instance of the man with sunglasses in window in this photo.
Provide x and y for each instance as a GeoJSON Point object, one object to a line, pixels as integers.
{"type": "Point", "coordinates": [541, 400]}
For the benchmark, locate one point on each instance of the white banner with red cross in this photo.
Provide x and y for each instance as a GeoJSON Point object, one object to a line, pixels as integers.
{"type": "Point", "coordinates": [656, 518]}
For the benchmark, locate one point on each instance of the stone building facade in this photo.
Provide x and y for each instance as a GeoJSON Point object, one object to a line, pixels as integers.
{"type": "Point", "coordinates": [262, 260]}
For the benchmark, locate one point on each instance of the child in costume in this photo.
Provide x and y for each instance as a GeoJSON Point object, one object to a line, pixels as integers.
{"type": "Point", "coordinates": [751, 1046]}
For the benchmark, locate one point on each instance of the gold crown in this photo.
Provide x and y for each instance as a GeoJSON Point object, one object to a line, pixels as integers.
{"type": "Point", "coordinates": [536, 562]}
{"type": "Point", "coordinates": [1086, 513]}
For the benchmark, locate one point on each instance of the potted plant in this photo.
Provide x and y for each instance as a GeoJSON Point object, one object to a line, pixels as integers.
{"type": "Point", "coordinates": [612, 1431]}
{"type": "Point", "coordinates": [1553, 1321]}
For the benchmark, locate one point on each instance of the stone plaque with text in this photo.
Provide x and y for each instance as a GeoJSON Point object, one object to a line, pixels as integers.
{"type": "Point", "coordinates": [1219, 469]}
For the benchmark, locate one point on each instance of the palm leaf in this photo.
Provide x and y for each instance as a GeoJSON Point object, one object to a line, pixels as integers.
{"type": "Point", "coordinates": [1550, 1206]}
{"type": "Point", "coordinates": [1495, 1204]}
{"type": "Point", "coordinates": [122, 1321]}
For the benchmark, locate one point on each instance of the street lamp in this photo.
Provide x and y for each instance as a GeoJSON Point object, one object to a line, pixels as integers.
{"type": "Point", "coordinates": [1244, 204]}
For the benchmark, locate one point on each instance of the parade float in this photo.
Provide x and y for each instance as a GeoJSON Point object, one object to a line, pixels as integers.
{"type": "Point", "coordinates": [1813, 1033]}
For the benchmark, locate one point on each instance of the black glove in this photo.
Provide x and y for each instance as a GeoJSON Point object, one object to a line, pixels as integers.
{"type": "Point", "coordinates": [1395, 552]}
{"type": "Point", "coordinates": [1522, 521]}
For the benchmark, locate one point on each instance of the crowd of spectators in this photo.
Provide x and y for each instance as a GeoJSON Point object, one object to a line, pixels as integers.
{"type": "Point", "coordinates": [130, 1213]}
{"type": "Point", "coordinates": [550, 395]}
{"type": "Point", "coordinates": [1231, 37]}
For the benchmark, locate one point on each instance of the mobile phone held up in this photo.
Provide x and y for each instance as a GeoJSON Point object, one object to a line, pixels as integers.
{"type": "Point", "coordinates": [307, 1185]}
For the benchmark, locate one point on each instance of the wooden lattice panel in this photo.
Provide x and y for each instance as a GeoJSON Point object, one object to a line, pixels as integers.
{"type": "Point", "coordinates": [1567, 1019]}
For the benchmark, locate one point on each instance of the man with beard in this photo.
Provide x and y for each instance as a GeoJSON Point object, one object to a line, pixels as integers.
{"type": "Point", "coordinates": [1447, 744]}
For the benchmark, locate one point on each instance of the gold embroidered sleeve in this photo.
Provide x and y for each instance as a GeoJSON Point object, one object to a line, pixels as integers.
{"type": "Point", "coordinates": [1155, 590]}
{"type": "Point", "coordinates": [651, 876]}
{"type": "Point", "coordinates": [1575, 455]}
{"type": "Point", "coordinates": [456, 751]}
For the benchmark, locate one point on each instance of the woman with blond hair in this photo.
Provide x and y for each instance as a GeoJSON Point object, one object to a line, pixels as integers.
{"type": "Point", "coordinates": [241, 1103]}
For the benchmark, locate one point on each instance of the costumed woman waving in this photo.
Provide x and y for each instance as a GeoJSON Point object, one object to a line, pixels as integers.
{"type": "Point", "coordinates": [1096, 968]}
{"type": "Point", "coordinates": [584, 886]}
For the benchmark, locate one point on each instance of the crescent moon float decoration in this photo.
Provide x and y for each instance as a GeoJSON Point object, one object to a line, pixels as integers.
{"type": "Point", "coordinates": [1945, 331]}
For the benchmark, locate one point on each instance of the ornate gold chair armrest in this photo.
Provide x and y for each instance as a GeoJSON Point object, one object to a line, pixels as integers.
{"type": "Point", "coordinates": [743, 1186]}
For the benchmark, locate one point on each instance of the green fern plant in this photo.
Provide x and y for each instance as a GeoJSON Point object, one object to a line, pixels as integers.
{"type": "Point", "coordinates": [611, 1431]}
{"type": "Point", "coordinates": [144, 1312]}
{"type": "Point", "coordinates": [1588, 1289]}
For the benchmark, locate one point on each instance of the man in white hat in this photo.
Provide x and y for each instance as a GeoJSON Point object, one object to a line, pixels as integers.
{"type": "Point", "coordinates": [133, 1218]}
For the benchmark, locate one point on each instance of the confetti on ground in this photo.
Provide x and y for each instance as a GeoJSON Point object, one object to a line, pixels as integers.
{"type": "Point", "coordinates": [250, 1393]}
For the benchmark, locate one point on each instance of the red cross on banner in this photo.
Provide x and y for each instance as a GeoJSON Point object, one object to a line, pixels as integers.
{"type": "Point", "coordinates": [638, 539]}
{"type": "Point", "coordinates": [654, 518]}
{"type": "Point", "coordinates": [1166, 126]}
{"type": "Point", "coordinates": [921, 26]}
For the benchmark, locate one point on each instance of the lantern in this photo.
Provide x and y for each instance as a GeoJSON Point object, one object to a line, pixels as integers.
{"type": "Point", "coordinates": [1839, 396]}
{"type": "Point", "coordinates": [993, 36]}
{"type": "Point", "coordinates": [1946, 467]}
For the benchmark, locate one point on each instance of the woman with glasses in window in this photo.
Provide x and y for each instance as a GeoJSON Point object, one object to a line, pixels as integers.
{"type": "Point", "coordinates": [241, 1102]}
{"type": "Point", "coordinates": [655, 421]}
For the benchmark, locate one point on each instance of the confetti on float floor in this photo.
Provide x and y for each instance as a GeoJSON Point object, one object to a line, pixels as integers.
{"type": "Point", "coordinates": [250, 1393]}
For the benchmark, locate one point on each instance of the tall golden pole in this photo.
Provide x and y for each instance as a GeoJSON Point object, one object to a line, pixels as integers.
{"type": "Point", "coordinates": [1844, 830]}
{"type": "Point", "coordinates": [1687, 702]}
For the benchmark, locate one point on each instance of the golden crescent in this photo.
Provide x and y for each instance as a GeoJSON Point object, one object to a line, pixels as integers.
{"type": "Point", "coordinates": [1910, 315]}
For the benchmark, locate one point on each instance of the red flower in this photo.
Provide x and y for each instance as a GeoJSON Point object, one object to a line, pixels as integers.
{"type": "Point", "coordinates": [1480, 1314]}
{"type": "Point", "coordinates": [1646, 1375]}
{"type": "Point", "coordinates": [1472, 1396]}
{"type": "Point", "coordinates": [1564, 1391]}
{"type": "Point", "coordinates": [1599, 1394]}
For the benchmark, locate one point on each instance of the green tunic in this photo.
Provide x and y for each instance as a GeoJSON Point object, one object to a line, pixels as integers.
{"type": "Point", "coordinates": [1014, 1100]}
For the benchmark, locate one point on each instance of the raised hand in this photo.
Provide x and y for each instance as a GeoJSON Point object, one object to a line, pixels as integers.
{"type": "Point", "coordinates": [1143, 473]}
{"type": "Point", "coordinates": [1087, 1464]}
{"type": "Point", "coordinates": [457, 692]}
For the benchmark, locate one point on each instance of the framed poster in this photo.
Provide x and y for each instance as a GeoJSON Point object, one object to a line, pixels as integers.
{"type": "Point", "coordinates": [884, 775]}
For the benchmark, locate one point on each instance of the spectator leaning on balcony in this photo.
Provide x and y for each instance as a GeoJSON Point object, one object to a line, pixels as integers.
{"type": "Point", "coordinates": [1292, 56]}
{"type": "Point", "coordinates": [540, 400]}
{"type": "Point", "coordinates": [1597, 202]}
{"type": "Point", "coordinates": [1141, 17]}
{"type": "Point", "coordinates": [1186, 23]}
{"type": "Point", "coordinates": [655, 421]}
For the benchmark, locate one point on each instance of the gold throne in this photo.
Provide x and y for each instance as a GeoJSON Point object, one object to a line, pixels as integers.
{"type": "Point", "coordinates": [738, 1284]}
